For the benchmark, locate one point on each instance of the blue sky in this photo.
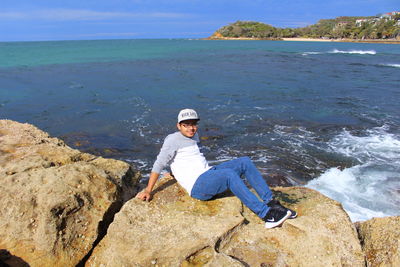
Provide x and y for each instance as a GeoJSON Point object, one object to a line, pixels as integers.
{"type": "Point", "coordinates": [30, 20]}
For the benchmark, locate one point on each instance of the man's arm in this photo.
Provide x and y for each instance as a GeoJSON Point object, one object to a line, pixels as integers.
{"type": "Point", "coordinates": [167, 152]}
{"type": "Point", "coordinates": [146, 193]}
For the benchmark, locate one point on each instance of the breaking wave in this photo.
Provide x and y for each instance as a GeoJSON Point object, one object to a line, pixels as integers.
{"type": "Point", "coordinates": [336, 51]}
{"type": "Point", "coordinates": [372, 187]}
{"type": "Point", "coordinates": [360, 52]}
{"type": "Point", "coordinates": [391, 65]}
{"type": "Point", "coordinates": [311, 53]}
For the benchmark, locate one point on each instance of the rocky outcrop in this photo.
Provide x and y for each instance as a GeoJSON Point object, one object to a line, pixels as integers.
{"type": "Point", "coordinates": [169, 230]}
{"type": "Point", "coordinates": [55, 201]}
{"type": "Point", "coordinates": [380, 238]}
{"type": "Point", "coordinates": [176, 230]}
{"type": "Point", "coordinates": [57, 208]}
{"type": "Point", "coordinates": [218, 36]}
{"type": "Point", "coordinates": [322, 235]}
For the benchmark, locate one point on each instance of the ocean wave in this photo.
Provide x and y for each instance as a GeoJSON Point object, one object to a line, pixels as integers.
{"type": "Point", "coordinates": [368, 189]}
{"type": "Point", "coordinates": [390, 65]}
{"type": "Point", "coordinates": [139, 163]}
{"type": "Point", "coordinates": [311, 53]}
{"type": "Point", "coordinates": [295, 135]}
{"type": "Point", "coordinates": [140, 121]}
{"type": "Point", "coordinates": [377, 146]}
{"type": "Point", "coordinates": [219, 106]}
{"type": "Point", "coordinates": [363, 191]}
{"type": "Point", "coordinates": [337, 51]}
{"type": "Point", "coordinates": [360, 52]}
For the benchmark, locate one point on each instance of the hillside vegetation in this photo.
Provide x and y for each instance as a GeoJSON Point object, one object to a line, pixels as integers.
{"type": "Point", "coordinates": [378, 27]}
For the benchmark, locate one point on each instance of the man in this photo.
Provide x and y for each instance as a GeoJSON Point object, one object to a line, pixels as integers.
{"type": "Point", "coordinates": [190, 168]}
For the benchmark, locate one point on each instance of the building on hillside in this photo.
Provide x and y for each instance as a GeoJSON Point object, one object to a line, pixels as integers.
{"type": "Point", "coordinates": [389, 15]}
{"type": "Point", "coordinates": [394, 13]}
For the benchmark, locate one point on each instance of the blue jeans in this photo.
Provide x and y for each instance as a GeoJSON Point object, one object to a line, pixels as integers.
{"type": "Point", "coordinates": [226, 176]}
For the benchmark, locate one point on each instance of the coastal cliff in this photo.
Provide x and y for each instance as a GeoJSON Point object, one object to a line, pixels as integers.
{"type": "Point", "coordinates": [61, 207]}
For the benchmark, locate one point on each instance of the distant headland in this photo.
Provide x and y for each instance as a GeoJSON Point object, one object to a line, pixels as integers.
{"type": "Point", "coordinates": [382, 28]}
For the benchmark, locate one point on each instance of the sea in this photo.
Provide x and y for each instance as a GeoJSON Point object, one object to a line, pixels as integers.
{"type": "Point", "coordinates": [324, 115]}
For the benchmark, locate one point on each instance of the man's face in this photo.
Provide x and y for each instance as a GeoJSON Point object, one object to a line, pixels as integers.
{"type": "Point", "coordinates": [188, 128]}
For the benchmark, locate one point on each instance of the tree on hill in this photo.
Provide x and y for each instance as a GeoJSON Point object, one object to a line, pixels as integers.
{"type": "Point", "coordinates": [341, 27]}
{"type": "Point", "coordinates": [250, 29]}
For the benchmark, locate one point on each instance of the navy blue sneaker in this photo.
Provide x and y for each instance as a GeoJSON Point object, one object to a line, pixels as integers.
{"type": "Point", "coordinates": [275, 217]}
{"type": "Point", "coordinates": [276, 204]}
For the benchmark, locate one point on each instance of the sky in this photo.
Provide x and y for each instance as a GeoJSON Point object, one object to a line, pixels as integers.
{"type": "Point", "coordinates": [40, 20]}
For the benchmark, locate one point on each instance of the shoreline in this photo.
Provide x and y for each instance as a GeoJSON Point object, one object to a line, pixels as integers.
{"type": "Point", "coordinates": [302, 39]}
{"type": "Point", "coordinates": [374, 41]}
{"type": "Point", "coordinates": [241, 38]}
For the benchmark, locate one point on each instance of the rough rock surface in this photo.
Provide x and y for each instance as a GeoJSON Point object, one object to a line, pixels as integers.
{"type": "Point", "coordinates": [55, 201]}
{"type": "Point", "coordinates": [56, 204]}
{"type": "Point", "coordinates": [175, 230]}
{"type": "Point", "coordinates": [380, 238]}
{"type": "Point", "coordinates": [322, 235]}
{"type": "Point", "coordinates": [170, 230]}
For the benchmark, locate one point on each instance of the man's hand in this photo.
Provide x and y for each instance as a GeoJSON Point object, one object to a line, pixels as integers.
{"type": "Point", "coordinates": [144, 195]}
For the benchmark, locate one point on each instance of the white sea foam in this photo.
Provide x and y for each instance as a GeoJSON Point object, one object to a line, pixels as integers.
{"type": "Point", "coordinates": [360, 52]}
{"type": "Point", "coordinates": [371, 188]}
{"type": "Point", "coordinates": [295, 137]}
{"type": "Point", "coordinates": [391, 65]}
{"type": "Point", "coordinates": [377, 146]}
{"type": "Point", "coordinates": [311, 53]}
{"type": "Point", "coordinates": [139, 163]}
{"type": "Point", "coordinates": [218, 107]}
{"type": "Point", "coordinates": [337, 51]}
{"type": "Point", "coordinates": [140, 121]}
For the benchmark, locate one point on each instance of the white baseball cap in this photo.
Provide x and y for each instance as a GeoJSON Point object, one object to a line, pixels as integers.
{"type": "Point", "coordinates": [187, 114]}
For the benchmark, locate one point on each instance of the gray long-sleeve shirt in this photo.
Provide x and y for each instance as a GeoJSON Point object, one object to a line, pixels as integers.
{"type": "Point", "coordinates": [184, 157]}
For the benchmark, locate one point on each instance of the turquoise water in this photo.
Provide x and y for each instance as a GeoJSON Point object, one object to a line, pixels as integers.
{"type": "Point", "coordinates": [298, 109]}
{"type": "Point", "coordinates": [45, 53]}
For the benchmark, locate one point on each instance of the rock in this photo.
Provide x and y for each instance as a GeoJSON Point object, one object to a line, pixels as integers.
{"type": "Point", "coordinates": [170, 230]}
{"type": "Point", "coordinates": [55, 201]}
{"type": "Point", "coordinates": [321, 235]}
{"type": "Point", "coordinates": [176, 230]}
{"type": "Point", "coordinates": [56, 204]}
{"type": "Point", "coordinates": [380, 238]}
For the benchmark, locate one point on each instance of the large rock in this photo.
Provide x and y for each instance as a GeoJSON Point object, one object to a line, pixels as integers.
{"type": "Point", "coordinates": [170, 230]}
{"type": "Point", "coordinates": [380, 238]}
{"type": "Point", "coordinates": [176, 230]}
{"type": "Point", "coordinates": [56, 204]}
{"type": "Point", "coordinates": [55, 201]}
{"type": "Point", "coordinates": [322, 235]}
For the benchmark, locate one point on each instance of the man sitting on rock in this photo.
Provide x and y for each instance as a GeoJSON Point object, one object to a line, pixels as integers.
{"type": "Point", "coordinates": [190, 168]}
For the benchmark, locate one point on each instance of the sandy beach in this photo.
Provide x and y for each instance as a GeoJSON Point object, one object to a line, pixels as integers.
{"type": "Point", "coordinates": [300, 39]}
{"type": "Point", "coordinates": [242, 38]}
{"type": "Point", "coordinates": [375, 41]}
